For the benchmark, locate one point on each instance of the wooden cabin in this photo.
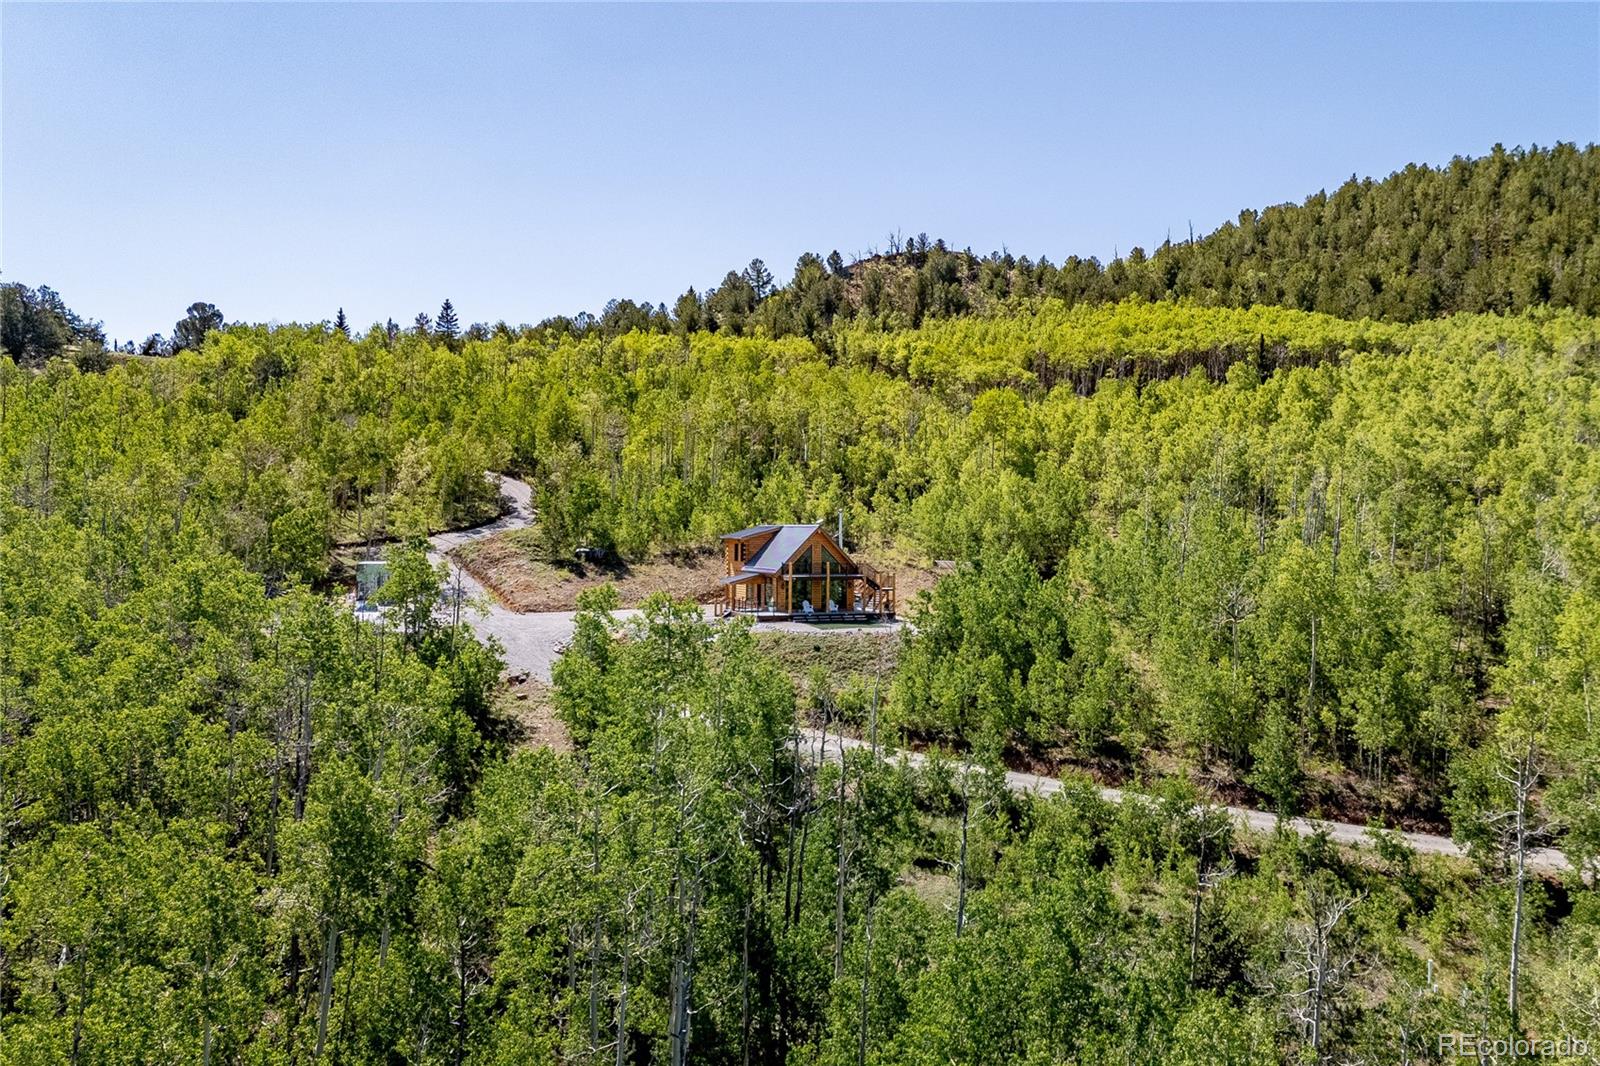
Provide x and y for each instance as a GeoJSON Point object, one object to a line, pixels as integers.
{"type": "Point", "coordinates": [801, 572]}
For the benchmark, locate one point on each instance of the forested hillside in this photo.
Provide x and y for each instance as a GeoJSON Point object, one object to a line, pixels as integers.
{"type": "Point", "coordinates": [1278, 553]}
{"type": "Point", "coordinates": [1504, 232]}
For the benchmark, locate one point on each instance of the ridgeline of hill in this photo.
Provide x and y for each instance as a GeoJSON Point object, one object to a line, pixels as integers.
{"type": "Point", "coordinates": [1504, 232]}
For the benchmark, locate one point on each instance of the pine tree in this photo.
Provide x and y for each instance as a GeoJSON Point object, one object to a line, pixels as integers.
{"type": "Point", "coordinates": [759, 277]}
{"type": "Point", "coordinates": [689, 314]}
{"type": "Point", "coordinates": [191, 330]}
{"type": "Point", "coordinates": [423, 325]}
{"type": "Point", "coordinates": [446, 324]}
{"type": "Point", "coordinates": [341, 324]}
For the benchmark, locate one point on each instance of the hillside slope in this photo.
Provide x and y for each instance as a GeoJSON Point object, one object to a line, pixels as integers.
{"type": "Point", "coordinates": [1504, 232]}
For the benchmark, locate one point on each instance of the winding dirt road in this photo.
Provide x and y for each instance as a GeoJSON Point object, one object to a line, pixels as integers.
{"type": "Point", "coordinates": [532, 641]}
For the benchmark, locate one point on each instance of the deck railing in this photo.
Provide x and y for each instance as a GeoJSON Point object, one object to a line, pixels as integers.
{"type": "Point", "coordinates": [867, 590]}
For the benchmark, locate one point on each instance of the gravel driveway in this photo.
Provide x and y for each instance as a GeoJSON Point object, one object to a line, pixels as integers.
{"type": "Point", "coordinates": [533, 640]}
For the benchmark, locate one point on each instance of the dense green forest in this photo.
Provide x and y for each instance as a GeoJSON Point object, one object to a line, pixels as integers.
{"type": "Point", "coordinates": [1269, 544]}
{"type": "Point", "coordinates": [1329, 557]}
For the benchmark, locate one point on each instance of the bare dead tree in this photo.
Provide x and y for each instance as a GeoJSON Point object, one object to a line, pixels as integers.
{"type": "Point", "coordinates": [1317, 965]}
{"type": "Point", "coordinates": [846, 850]}
{"type": "Point", "coordinates": [1520, 768]}
{"type": "Point", "coordinates": [961, 861]}
{"type": "Point", "coordinates": [689, 877]}
{"type": "Point", "coordinates": [456, 591]}
{"type": "Point", "coordinates": [634, 939]}
{"type": "Point", "coordinates": [330, 961]}
{"type": "Point", "coordinates": [805, 802]}
{"type": "Point", "coordinates": [1237, 606]}
{"type": "Point", "coordinates": [866, 987]}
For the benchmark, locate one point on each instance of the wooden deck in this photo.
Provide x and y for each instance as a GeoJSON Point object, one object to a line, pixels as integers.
{"type": "Point", "coordinates": [815, 617]}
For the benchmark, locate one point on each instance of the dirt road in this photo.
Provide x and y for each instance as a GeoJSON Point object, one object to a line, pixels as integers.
{"type": "Point", "coordinates": [1543, 860]}
{"type": "Point", "coordinates": [531, 641]}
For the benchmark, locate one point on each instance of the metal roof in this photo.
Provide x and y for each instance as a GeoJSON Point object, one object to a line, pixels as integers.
{"type": "Point", "coordinates": [770, 559]}
{"type": "Point", "coordinates": [740, 534]}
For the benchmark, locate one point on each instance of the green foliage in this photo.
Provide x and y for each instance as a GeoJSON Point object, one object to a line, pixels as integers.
{"type": "Point", "coordinates": [198, 322]}
{"type": "Point", "coordinates": [1215, 521]}
{"type": "Point", "coordinates": [1277, 773]}
{"type": "Point", "coordinates": [1280, 545]}
{"type": "Point", "coordinates": [213, 796]}
{"type": "Point", "coordinates": [997, 652]}
{"type": "Point", "coordinates": [36, 326]}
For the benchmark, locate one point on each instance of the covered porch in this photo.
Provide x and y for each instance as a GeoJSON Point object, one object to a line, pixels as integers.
{"type": "Point", "coordinates": [859, 596]}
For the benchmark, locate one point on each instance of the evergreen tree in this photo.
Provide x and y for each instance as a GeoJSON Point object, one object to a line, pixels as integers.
{"type": "Point", "coordinates": [36, 325]}
{"type": "Point", "coordinates": [759, 277]}
{"type": "Point", "coordinates": [423, 325]}
{"type": "Point", "coordinates": [446, 324]}
{"type": "Point", "coordinates": [1505, 232]}
{"type": "Point", "coordinates": [191, 330]}
{"type": "Point", "coordinates": [341, 324]}
{"type": "Point", "coordinates": [730, 304]}
{"type": "Point", "coordinates": [688, 313]}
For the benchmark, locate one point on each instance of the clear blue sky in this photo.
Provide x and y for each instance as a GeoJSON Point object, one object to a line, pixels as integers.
{"type": "Point", "coordinates": [525, 160]}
